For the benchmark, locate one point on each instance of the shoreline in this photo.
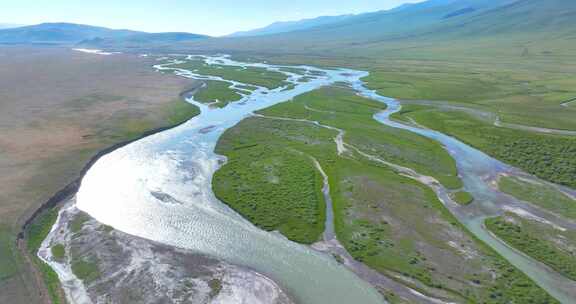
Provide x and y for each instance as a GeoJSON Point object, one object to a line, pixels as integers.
{"type": "Point", "coordinates": [67, 192]}
{"type": "Point", "coordinates": [73, 186]}
{"type": "Point", "coordinates": [260, 260]}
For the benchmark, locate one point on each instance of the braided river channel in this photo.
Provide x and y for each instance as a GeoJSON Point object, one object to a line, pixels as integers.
{"type": "Point", "coordinates": [159, 188]}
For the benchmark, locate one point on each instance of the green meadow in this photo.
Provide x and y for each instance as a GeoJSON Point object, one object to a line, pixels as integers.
{"type": "Point", "coordinates": [462, 197]}
{"type": "Point", "coordinates": [550, 157]}
{"type": "Point", "coordinates": [217, 92]}
{"type": "Point", "coordinates": [391, 223]}
{"type": "Point", "coordinates": [35, 235]}
{"type": "Point", "coordinates": [539, 241]}
{"type": "Point", "coordinates": [540, 194]}
{"type": "Point", "coordinates": [250, 75]}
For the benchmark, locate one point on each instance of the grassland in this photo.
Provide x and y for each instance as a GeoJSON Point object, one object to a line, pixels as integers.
{"type": "Point", "coordinates": [85, 271]}
{"type": "Point", "coordinates": [217, 92]}
{"type": "Point", "coordinates": [550, 157]}
{"type": "Point", "coordinates": [35, 235]}
{"type": "Point", "coordinates": [245, 87]}
{"type": "Point", "coordinates": [524, 79]}
{"type": "Point", "coordinates": [58, 251]}
{"type": "Point", "coordinates": [177, 112]}
{"type": "Point", "coordinates": [8, 267]}
{"type": "Point", "coordinates": [78, 222]}
{"type": "Point", "coordinates": [215, 287]}
{"type": "Point", "coordinates": [250, 190]}
{"type": "Point", "coordinates": [340, 108]}
{"type": "Point", "coordinates": [297, 71]}
{"type": "Point", "coordinates": [542, 242]}
{"type": "Point", "coordinates": [519, 91]}
{"type": "Point", "coordinates": [463, 197]}
{"type": "Point", "coordinates": [389, 222]}
{"type": "Point", "coordinates": [261, 190]}
{"type": "Point", "coordinates": [543, 195]}
{"type": "Point", "coordinates": [399, 227]}
{"type": "Point", "coordinates": [128, 125]}
{"type": "Point", "coordinates": [250, 75]}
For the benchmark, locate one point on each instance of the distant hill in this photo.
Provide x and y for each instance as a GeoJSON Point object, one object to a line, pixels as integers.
{"type": "Point", "coordinates": [404, 18]}
{"type": "Point", "coordinates": [72, 34]}
{"type": "Point", "coordinates": [420, 24]}
{"type": "Point", "coordinates": [290, 26]}
{"type": "Point", "coordinates": [9, 25]}
{"type": "Point", "coordinates": [555, 17]}
{"type": "Point", "coordinates": [141, 40]}
{"type": "Point", "coordinates": [404, 21]}
{"type": "Point", "coordinates": [58, 33]}
{"type": "Point", "coordinates": [406, 28]}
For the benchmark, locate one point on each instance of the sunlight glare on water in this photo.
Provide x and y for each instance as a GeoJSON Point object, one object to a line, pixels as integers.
{"type": "Point", "coordinates": [159, 188]}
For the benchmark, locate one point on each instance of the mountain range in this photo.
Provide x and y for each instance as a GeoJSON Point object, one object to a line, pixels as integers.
{"type": "Point", "coordinates": [448, 25]}
{"type": "Point", "coordinates": [291, 26]}
{"type": "Point", "coordinates": [402, 19]}
{"type": "Point", "coordinates": [9, 25]}
{"type": "Point", "coordinates": [72, 34]}
{"type": "Point", "coordinates": [432, 21]}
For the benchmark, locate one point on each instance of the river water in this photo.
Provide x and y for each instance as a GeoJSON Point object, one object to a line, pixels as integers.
{"type": "Point", "coordinates": [123, 189]}
{"type": "Point", "coordinates": [478, 172]}
{"type": "Point", "coordinates": [159, 188]}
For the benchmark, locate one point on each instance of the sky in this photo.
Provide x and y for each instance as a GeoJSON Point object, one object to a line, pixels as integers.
{"type": "Point", "coordinates": [210, 17]}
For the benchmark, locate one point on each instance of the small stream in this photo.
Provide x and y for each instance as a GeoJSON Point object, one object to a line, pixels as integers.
{"type": "Point", "coordinates": [479, 172]}
{"type": "Point", "coordinates": [159, 188]}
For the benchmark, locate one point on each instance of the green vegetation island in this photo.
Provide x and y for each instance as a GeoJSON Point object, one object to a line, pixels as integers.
{"type": "Point", "coordinates": [389, 222]}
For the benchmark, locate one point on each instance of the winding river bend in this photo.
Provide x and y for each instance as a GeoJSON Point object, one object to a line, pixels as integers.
{"type": "Point", "coordinates": [123, 189]}
{"type": "Point", "coordinates": [128, 190]}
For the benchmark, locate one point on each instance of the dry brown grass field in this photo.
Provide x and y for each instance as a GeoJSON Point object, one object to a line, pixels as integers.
{"type": "Point", "coordinates": [58, 107]}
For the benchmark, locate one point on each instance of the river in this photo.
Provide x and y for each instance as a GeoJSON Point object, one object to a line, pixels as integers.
{"type": "Point", "coordinates": [478, 172]}
{"type": "Point", "coordinates": [124, 190]}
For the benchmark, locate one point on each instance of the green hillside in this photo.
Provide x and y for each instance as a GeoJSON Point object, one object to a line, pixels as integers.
{"type": "Point", "coordinates": [58, 33]}
{"type": "Point", "coordinates": [88, 36]}
{"type": "Point", "coordinates": [403, 21]}
{"type": "Point", "coordinates": [400, 23]}
{"type": "Point", "coordinates": [534, 17]}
